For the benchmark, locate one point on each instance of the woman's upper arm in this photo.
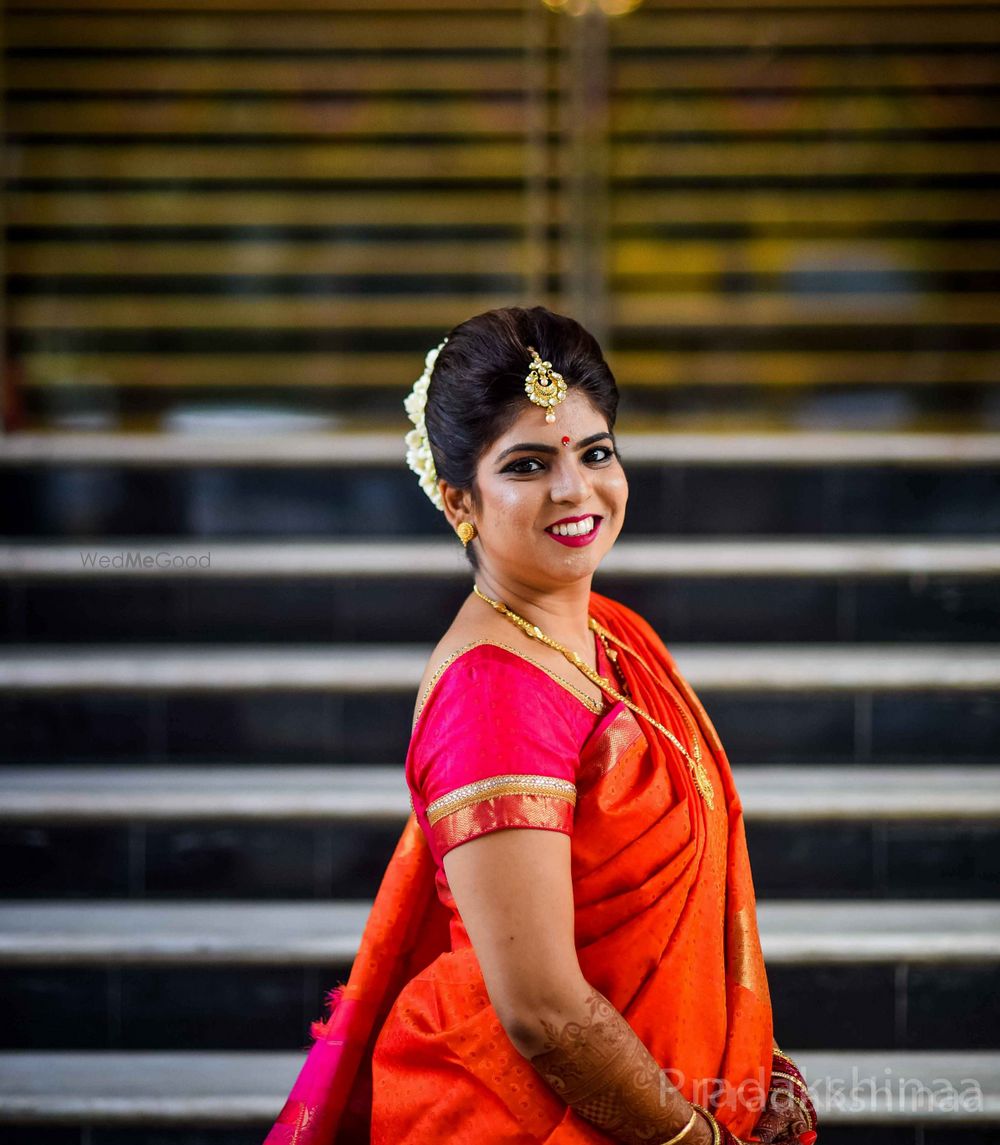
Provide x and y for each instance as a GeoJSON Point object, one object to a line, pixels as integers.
{"type": "Point", "coordinates": [514, 891]}
{"type": "Point", "coordinates": [494, 762]}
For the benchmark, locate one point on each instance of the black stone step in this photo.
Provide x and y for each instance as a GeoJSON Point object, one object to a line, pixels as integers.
{"type": "Point", "coordinates": [728, 590]}
{"type": "Point", "coordinates": [910, 975]}
{"type": "Point", "coordinates": [322, 831]}
{"type": "Point", "coordinates": [878, 860]}
{"type": "Point", "coordinates": [819, 1006]}
{"type": "Point", "coordinates": [298, 703]}
{"type": "Point", "coordinates": [925, 726]}
{"type": "Point", "coordinates": [358, 486]}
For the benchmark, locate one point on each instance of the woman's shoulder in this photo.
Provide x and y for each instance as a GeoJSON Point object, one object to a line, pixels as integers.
{"type": "Point", "coordinates": [488, 672]}
{"type": "Point", "coordinates": [489, 715]}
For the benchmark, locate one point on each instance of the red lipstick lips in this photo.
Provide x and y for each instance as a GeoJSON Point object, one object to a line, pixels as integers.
{"type": "Point", "coordinates": [578, 541]}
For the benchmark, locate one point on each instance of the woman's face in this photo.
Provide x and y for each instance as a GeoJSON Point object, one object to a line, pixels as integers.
{"type": "Point", "coordinates": [530, 480]}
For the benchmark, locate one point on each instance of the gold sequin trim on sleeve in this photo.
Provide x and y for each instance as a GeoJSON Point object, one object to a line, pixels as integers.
{"type": "Point", "coordinates": [500, 785]}
{"type": "Point", "coordinates": [501, 801]}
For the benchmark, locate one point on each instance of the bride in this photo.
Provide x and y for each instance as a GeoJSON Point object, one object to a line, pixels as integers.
{"type": "Point", "coordinates": [564, 947]}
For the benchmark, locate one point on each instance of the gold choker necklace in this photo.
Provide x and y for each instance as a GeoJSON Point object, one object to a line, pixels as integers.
{"type": "Point", "coordinates": [701, 778]}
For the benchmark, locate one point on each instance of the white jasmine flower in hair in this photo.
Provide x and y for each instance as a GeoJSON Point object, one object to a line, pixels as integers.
{"type": "Point", "coordinates": [418, 452]}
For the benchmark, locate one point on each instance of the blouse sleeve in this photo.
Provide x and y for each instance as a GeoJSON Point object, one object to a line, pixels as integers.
{"type": "Point", "coordinates": [496, 748]}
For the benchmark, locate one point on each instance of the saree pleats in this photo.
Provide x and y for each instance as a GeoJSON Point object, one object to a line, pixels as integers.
{"type": "Point", "coordinates": [665, 928]}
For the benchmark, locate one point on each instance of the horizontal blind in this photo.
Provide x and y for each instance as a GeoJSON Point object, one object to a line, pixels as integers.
{"type": "Point", "coordinates": [803, 205]}
{"type": "Point", "coordinates": [260, 202]}
{"type": "Point", "coordinates": [289, 204]}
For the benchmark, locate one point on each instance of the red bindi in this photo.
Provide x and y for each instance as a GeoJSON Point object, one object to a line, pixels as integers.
{"type": "Point", "coordinates": [565, 441]}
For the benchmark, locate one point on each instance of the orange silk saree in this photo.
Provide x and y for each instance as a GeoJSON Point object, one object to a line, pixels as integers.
{"type": "Point", "coordinates": [413, 1052]}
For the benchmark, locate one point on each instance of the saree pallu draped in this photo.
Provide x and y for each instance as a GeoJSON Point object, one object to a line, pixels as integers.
{"type": "Point", "coordinates": [665, 928]}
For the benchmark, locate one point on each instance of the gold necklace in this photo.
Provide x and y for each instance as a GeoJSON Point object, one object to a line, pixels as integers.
{"type": "Point", "coordinates": [701, 778]}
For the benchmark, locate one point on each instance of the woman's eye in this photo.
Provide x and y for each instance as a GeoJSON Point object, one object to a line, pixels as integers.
{"type": "Point", "coordinates": [606, 450]}
{"type": "Point", "coordinates": [516, 466]}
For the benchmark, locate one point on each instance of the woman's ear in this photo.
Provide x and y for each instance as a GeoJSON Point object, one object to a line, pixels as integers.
{"type": "Point", "coordinates": [457, 503]}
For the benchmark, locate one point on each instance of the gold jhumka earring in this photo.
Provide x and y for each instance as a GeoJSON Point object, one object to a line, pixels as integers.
{"type": "Point", "coordinates": [543, 385]}
{"type": "Point", "coordinates": [466, 531]}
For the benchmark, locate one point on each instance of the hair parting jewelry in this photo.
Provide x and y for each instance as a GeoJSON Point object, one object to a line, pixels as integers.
{"type": "Point", "coordinates": [700, 776]}
{"type": "Point", "coordinates": [543, 385]}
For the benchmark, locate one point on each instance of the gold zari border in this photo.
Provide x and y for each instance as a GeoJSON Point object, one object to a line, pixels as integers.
{"type": "Point", "coordinates": [482, 789]}
{"type": "Point", "coordinates": [469, 820]}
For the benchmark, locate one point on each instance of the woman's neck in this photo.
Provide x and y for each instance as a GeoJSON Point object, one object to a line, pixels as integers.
{"type": "Point", "coordinates": [562, 613]}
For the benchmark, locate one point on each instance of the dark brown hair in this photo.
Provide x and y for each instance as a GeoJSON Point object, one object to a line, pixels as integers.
{"type": "Point", "coordinates": [476, 390]}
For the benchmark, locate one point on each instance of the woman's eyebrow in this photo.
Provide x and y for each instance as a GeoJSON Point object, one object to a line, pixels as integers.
{"type": "Point", "coordinates": [540, 447]}
{"type": "Point", "coordinates": [534, 446]}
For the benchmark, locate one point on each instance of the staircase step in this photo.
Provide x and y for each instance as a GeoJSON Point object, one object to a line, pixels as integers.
{"type": "Point", "coordinates": [190, 1088]}
{"type": "Point", "coordinates": [246, 834]}
{"type": "Point", "coordinates": [340, 485]}
{"type": "Point", "coordinates": [639, 558]}
{"type": "Point", "coordinates": [367, 669]}
{"type": "Point", "coordinates": [347, 793]}
{"type": "Point", "coordinates": [100, 933]}
{"type": "Point", "coordinates": [187, 792]}
{"type": "Point", "coordinates": [852, 1088]}
{"type": "Point", "coordinates": [317, 933]}
{"type": "Point", "coordinates": [730, 590]}
{"type": "Point", "coordinates": [349, 449]}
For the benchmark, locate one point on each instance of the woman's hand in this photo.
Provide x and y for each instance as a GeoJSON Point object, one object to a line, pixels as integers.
{"type": "Point", "coordinates": [790, 1117]}
{"type": "Point", "coordinates": [780, 1127]}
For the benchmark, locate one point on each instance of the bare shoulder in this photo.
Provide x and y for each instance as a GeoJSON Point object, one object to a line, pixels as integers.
{"type": "Point", "coordinates": [470, 626]}
{"type": "Point", "coordinates": [475, 625]}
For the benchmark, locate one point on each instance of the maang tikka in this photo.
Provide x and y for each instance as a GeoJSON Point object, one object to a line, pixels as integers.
{"type": "Point", "coordinates": [543, 385]}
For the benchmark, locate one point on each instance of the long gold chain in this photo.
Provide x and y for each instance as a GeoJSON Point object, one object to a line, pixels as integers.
{"type": "Point", "coordinates": [696, 767]}
{"type": "Point", "coordinates": [605, 636]}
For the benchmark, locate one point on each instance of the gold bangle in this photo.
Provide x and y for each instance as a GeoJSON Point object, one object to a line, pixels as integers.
{"type": "Point", "coordinates": [677, 1136]}
{"type": "Point", "coordinates": [716, 1131]}
{"type": "Point", "coordinates": [793, 1078]}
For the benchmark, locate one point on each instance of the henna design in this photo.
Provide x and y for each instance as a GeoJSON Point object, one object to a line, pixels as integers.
{"type": "Point", "coordinates": [602, 1070]}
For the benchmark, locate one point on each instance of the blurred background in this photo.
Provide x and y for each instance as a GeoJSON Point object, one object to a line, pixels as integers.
{"type": "Point", "coordinates": [773, 216]}
{"type": "Point", "coordinates": [232, 231]}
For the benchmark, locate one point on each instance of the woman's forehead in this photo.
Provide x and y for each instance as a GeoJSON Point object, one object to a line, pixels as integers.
{"type": "Point", "coordinates": [576, 416]}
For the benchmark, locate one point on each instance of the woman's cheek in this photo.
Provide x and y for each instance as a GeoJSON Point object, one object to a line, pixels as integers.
{"type": "Point", "coordinates": [510, 502]}
{"type": "Point", "coordinates": [616, 491]}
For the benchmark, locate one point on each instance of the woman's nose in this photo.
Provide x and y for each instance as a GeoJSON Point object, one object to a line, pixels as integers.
{"type": "Point", "coordinates": [571, 482]}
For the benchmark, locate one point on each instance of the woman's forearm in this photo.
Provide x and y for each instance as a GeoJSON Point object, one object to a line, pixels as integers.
{"type": "Point", "coordinates": [592, 1058]}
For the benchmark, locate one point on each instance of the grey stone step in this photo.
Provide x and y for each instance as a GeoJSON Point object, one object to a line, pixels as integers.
{"type": "Point", "coordinates": [117, 794]}
{"type": "Point", "coordinates": [352, 668]}
{"type": "Point", "coordinates": [317, 933]}
{"type": "Point", "coordinates": [784, 793]}
{"type": "Point", "coordinates": [852, 1088]}
{"type": "Point", "coordinates": [141, 557]}
{"type": "Point", "coordinates": [807, 447]}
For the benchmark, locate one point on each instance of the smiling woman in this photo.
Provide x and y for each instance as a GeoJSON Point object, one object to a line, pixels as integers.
{"type": "Point", "coordinates": [564, 948]}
